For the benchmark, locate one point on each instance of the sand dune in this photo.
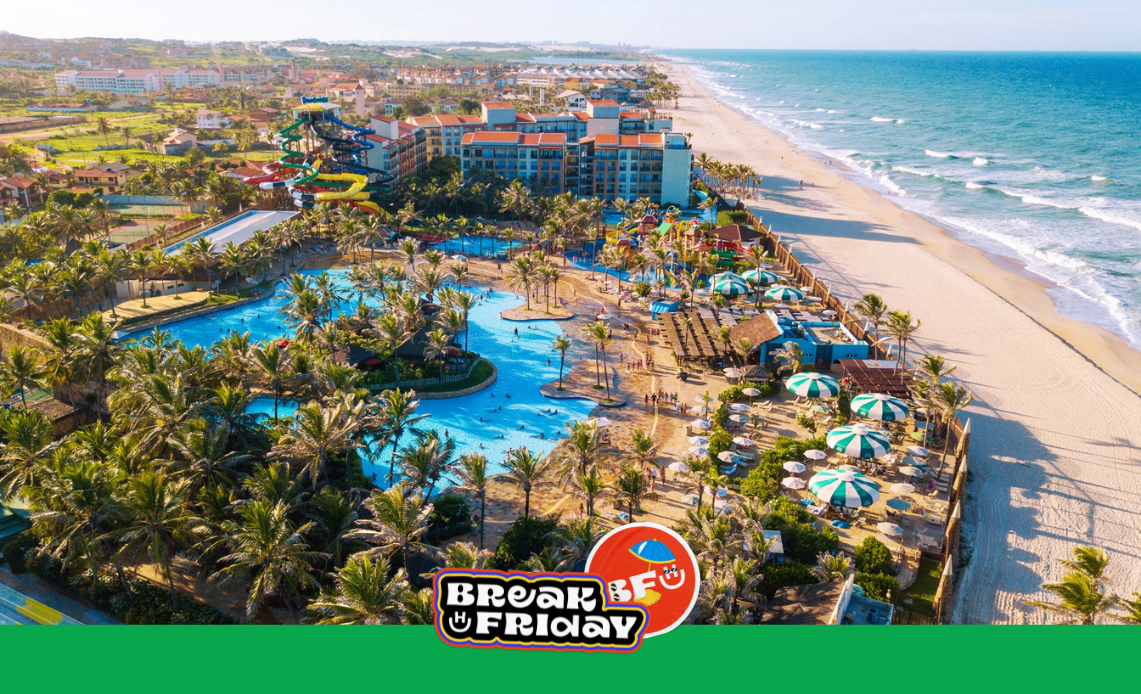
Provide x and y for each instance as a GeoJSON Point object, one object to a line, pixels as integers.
{"type": "Point", "coordinates": [1057, 438]}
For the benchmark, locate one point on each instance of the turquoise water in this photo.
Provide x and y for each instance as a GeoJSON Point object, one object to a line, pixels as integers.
{"type": "Point", "coordinates": [476, 246]}
{"type": "Point", "coordinates": [1033, 156]}
{"type": "Point", "coordinates": [521, 362]}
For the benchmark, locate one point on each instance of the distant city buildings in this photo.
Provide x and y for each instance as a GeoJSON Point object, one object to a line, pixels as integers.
{"type": "Point", "coordinates": [135, 81]}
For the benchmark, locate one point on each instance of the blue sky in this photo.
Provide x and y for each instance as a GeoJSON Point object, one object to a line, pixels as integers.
{"type": "Point", "coordinates": [848, 24]}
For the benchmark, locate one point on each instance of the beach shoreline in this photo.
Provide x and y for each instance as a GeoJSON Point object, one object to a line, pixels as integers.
{"type": "Point", "coordinates": [1055, 450]}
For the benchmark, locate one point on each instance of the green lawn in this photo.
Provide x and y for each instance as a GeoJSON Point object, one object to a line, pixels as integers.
{"type": "Point", "coordinates": [479, 374]}
{"type": "Point", "coordinates": [922, 592]}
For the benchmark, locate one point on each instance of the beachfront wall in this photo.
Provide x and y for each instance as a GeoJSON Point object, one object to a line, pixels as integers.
{"type": "Point", "coordinates": [958, 432]}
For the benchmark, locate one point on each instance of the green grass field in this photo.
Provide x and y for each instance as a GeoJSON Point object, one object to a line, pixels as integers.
{"type": "Point", "coordinates": [922, 592]}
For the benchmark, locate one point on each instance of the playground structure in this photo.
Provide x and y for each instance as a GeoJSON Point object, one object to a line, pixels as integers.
{"type": "Point", "coordinates": [324, 160]}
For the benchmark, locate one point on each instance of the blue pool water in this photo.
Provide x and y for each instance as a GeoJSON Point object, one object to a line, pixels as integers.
{"type": "Point", "coordinates": [476, 246]}
{"type": "Point", "coordinates": [522, 365]}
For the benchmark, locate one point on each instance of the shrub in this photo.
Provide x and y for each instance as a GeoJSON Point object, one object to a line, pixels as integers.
{"type": "Point", "coordinates": [802, 542]}
{"type": "Point", "coordinates": [873, 557]}
{"type": "Point", "coordinates": [731, 394]}
{"type": "Point", "coordinates": [448, 509]}
{"type": "Point", "coordinates": [807, 423]}
{"type": "Point", "coordinates": [721, 415]}
{"type": "Point", "coordinates": [16, 551]}
{"type": "Point", "coordinates": [877, 586]}
{"type": "Point", "coordinates": [763, 482]}
{"type": "Point", "coordinates": [527, 536]}
{"type": "Point", "coordinates": [643, 288]}
{"type": "Point", "coordinates": [843, 407]}
{"type": "Point", "coordinates": [720, 440]}
{"type": "Point", "coordinates": [727, 217]}
{"type": "Point", "coordinates": [789, 573]}
{"type": "Point", "coordinates": [767, 390]}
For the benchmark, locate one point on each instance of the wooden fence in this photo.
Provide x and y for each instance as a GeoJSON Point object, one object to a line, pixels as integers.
{"type": "Point", "coordinates": [958, 433]}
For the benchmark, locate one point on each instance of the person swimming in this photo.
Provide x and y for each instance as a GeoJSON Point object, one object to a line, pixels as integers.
{"type": "Point", "coordinates": [522, 427]}
{"type": "Point", "coordinates": [508, 396]}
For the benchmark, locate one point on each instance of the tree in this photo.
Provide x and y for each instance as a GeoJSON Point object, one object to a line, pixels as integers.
{"type": "Point", "coordinates": [364, 593]}
{"type": "Point", "coordinates": [104, 128]}
{"type": "Point", "coordinates": [873, 557]}
{"type": "Point", "coordinates": [399, 521]}
{"type": "Point", "coordinates": [872, 309]}
{"type": "Point", "coordinates": [472, 470]}
{"type": "Point", "coordinates": [561, 345]}
{"type": "Point", "coordinates": [317, 433]}
{"type": "Point", "coordinates": [631, 486]}
{"type": "Point", "coordinates": [525, 469]}
{"type": "Point", "coordinates": [269, 363]}
{"type": "Point", "coordinates": [267, 548]}
{"type": "Point", "coordinates": [21, 371]}
{"type": "Point", "coordinates": [1080, 596]}
{"type": "Point", "coordinates": [901, 327]}
{"type": "Point", "coordinates": [397, 418]}
{"type": "Point", "coordinates": [158, 522]}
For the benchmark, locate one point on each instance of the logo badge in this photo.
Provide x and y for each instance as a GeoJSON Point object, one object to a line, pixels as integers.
{"type": "Point", "coordinates": [649, 565]}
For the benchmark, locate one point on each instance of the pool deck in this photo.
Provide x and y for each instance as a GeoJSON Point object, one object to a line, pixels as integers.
{"type": "Point", "coordinates": [578, 384]}
{"type": "Point", "coordinates": [134, 309]}
{"type": "Point", "coordinates": [520, 314]}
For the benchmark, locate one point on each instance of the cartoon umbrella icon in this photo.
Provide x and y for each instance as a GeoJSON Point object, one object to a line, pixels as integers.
{"type": "Point", "coordinates": [652, 552]}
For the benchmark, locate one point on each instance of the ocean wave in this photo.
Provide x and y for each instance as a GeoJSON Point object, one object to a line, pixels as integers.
{"type": "Point", "coordinates": [938, 155]}
{"type": "Point", "coordinates": [808, 124]}
{"type": "Point", "coordinates": [899, 121]}
{"type": "Point", "coordinates": [913, 171]}
{"type": "Point", "coordinates": [878, 119]}
{"type": "Point", "coordinates": [980, 161]}
{"type": "Point", "coordinates": [832, 110]}
{"type": "Point", "coordinates": [972, 185]}
{"type": "Point", "coordinates": [1098, 179]}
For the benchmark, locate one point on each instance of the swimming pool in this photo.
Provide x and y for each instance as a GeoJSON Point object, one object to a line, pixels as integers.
{"type": "Point", "coordinates": [480, 418]}
{"type": "Point", "coordinates": [476, 246]}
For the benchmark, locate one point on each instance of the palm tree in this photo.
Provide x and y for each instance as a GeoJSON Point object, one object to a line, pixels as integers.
{"type": "Point", "coordinates": [1080, 595]}
{"type": "Point", "coordinates": [525, 469]}
{"type": "Point", "coordinates": [28, 436]}
{"type": "Point", "coordinates": [790, 355]}
{"type": "Point", "coordinates": [398, 521]}
{"type": "Point", "coordinates": [437, 348]}
{"type": "Point", "coordinates": [398, 417]}
{"type": "Point", "coordinates": [21, 371]}
{"type": "Point", "coordinates": [267, 548]}
{"type": "Point", "coordinates": [561, 345]}
{"type": "Point", "coordinates": [104, 128]}
{"type": "Point", "coordinates": [599, 334]}
{"type": "Point", "coordinates": [950, 399]}
{"type": "Point", "coordinates": [158, 522]}
{"type": "Point", "coordinates": [833, 567]}
{"type": "Point", "coordinates": [472, 471]}
{"type": "Point", "coordinates": [630, 486]}
{"type": "Point", "coordinates": [364, 593]}
{"type": "Point", "coordinates": [424, 464]}
{"type": "Point", "coordinates": [203, 455]}
{"type": "Point", "coordinates": [901, 327]}
{"type": "Point", "coordinates": [589, 486]}
{"type": "Point", "coordinates": [575, 541]}
{"type": "Point", "coordinates": [872, 309]}
{"type": "Point", "coordinates": [317, 433]}
{"type": "Point", "coordinates": [521, 275]}
{"type": "Point", "coordinates": [269, 363]}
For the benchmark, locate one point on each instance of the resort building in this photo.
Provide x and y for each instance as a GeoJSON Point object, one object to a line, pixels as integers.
{"type": "Point", "coordinates": [399, 149]}
{"type": "Point", "coordinates": [210, 120]}
{"type": "Point", "coordinates": [651, 165]}
{"type": "Point", "coordinates": [574, 101]}
{"type": "Point", "coordinates": [109, 181]}
{"type": "Point", "coordinates": [822, 343]}
{"type": "Point", "coordinates": [536, 159]}
{"type": "Point", "coordinates": [135, 81]}
{"type": "Point", "coordinates": [445, 132]}
{"type": "Point", "coordinates": [178, 142]}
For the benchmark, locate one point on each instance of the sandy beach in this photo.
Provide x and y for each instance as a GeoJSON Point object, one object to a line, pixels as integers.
{"type": "Point", "coordinates": [1056, 443]}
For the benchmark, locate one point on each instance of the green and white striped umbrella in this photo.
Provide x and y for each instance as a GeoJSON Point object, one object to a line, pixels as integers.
{"type": "Point", "coordinates": [760, 276]}
{"type": "Point", "coordinates": [723, 276]}
{"type": "Point", "coordinates": [812, 385]}
{"type": "Point", "coordinates": [731, 287]}
{"type": "Point", "coordinates": [882, 407]}
{"type": "Point", "coordinates": [844, 488]}
{"type": "Point", "coordinates": [858, 441]}
{"type": "Point", "coordinates": [783, 293]}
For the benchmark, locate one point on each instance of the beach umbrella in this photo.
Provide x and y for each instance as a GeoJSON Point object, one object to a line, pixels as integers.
{"type": "Point", "coordinates": [721, 491]}
{"type": "Point", "coordinates": [898, 504]}
{"type": "Point", "coordinates": [902, 488]}
{"type": "Point", "coordinates": [882, 407]}
{"type": "Point", "coordinates": [698, 451]}
{"type": "Point", "coordinates": [725, 277]}
{"type": "Point", "coordinates": [742, 441]}
{"type": "Point", "coordinates": [782, 293]}
{"type": "Point", "coordinates": [698, 440]}
{"type": "Point", "coordinates": [889, 529]}
{"type": "Point", "coordinates": [815, 454]}
{"type": "Point", "coordinates": [751, 392]}
{"type": "Point", "coordinates": [677, 467]}
{"type": "Point", "coordinates": [739, 407]}
{"type": "Point", "coordinates": [858, 441]}
{"type": "Point", "coordinates": [460, 257]}
{"type": "Point", "coordinates": [732, 373]}
{"type": "Point", "coordinates": [760, 276]}
{"type": "Point", "coordinates": [601, 422]}
{"type": "Point", "coordinates": [844, 488]}
{"type": "Point", "coordinates": [908, 471]}
{"type": "Point", "coordinates": [918, 451]}
{"type": "Point", "coordinates": [725, 456]}
{"type": "Point", "coordinates": [731, 287]}
{"type": "Point", "coordinates": [702, 399]}
{"type": "Point", "coordinates": [793, 483]}
{"type": "Point", "coordinates": [820, 409]}
{"type": "Point", "coordinates": [794, 467]}
{"type": "Point", "coordinates": [700, 424]}
{"type": "Point", "coordinates": [720, 506]}
{"type": "Point", "coordinates": [914, 462]}
{"type": "Point", "coordinates": [812, 385]}
{"type": "Point", "coordinates": [806, 288]}
{"type": "Point", "coordinates": [739, 418]}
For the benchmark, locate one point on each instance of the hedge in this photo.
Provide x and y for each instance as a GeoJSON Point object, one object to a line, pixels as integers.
{"type": "Point", "coordinates": [802, 542]}
{"type": "Point", "coordinates": [873, 557]}
{"type": "Point", "coordinates": [763, 482]}
{"type": "Point", "coordinates": [876, 586]}
{"type": "Point", "coordinates": [789, 573]}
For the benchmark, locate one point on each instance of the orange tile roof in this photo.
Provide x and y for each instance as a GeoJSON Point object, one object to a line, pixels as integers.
{"type": "Point", "coordinates": [491, 136]}
{"type": "Point", "coordinates": [544, 139]}
{"type": "Point", "coordinates": [603, 102]}
{"type": "Point", "coordinates": [498, 104]}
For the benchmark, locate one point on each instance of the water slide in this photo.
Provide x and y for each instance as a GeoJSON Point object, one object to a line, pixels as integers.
{"type": "Point", "coordinates": [293, 159]}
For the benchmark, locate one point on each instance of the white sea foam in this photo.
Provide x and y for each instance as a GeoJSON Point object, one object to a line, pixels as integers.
{"type": "Point", "coordinates": [1098, 179]}
{"type": "Point", "coordinates": [832, 110]}
{"type": "Point", "coordinates": [980, 161]}
{"type": "Point", "coordinates": [900, 121]}
{"type": "Point", "coordinates": [971, 185]}
{"type": "Point", "coordinates": [820, 110]}
{"type": "Point", "coordinates": [878, 119]}
{"type": "Point", "coordinates": [938, 155]}
{"type": "Point", "coordinates": [913, 171]}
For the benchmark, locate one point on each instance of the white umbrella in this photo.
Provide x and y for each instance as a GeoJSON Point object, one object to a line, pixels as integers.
{"type": "Point", "coordinates": [806, 288]}
{"type": "Point", "coordinates": [725, 456]}
{"type": "Point", "coordinates": [601, 422]}
{"type": "Point", "coordinates": [700, 424]}
{"type": "Point", "coordinates": [889, 529]}
{"type": "Point", "coordinates": [815, 454]}
{"type": "Point", "coordinates": [828, 312]}
{"type": "Point", "coordinates": [677, 467]}
{"type": "Point", "coordinates": [793, 483]}
{"type": "Point", "coordinates": [918, 451]}
{"type": "Point", "coordinates": [721, 491]}
{"type": "Point", "coordinates": [460, 257]}
{"type": "Point", "coordinates": [720, 506]}
{"type": "Point", "coordinates": [739, 418]}
{"type": "Point", "coordinates": [909, 471]}
{"type": "Point", "coordinates": [739, 407]}
{"type": "Point", "coordinates": [702, 399]}
{"type": "Point", "coordinates": [698, 440]}
{"type": "Point", "coordinates": [902, 488]}
{"type": "Point", "coordinates": [698, 451]}
{"type": "Point", "coordinates": [794, 467]}
{"type": "Point", "coordinates": [742, 441]}
{"type": "Point", "coordinates": [751, 392]}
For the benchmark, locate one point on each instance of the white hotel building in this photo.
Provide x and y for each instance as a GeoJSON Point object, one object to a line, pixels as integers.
{"type": "Point", "coordinates": [135, 81]}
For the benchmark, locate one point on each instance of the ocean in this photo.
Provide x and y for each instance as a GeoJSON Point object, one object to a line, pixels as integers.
{"type": "Point", "coordinates": [1032, 156]}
